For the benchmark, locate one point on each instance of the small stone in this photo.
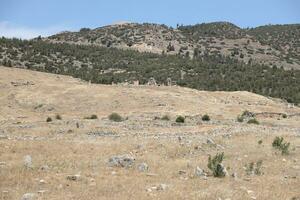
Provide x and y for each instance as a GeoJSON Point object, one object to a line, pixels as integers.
{"type": "Point", "coordinates": [283, 160]}
{"type": "Point", "coordinates": [42, 191]}
{"type": "Point", "coordinates": [210, 141]}
{"type": "Point", "coordinates": [113, 173]}
{"type": "Point", "coordinates": [181, 172]}
{"type": "Point", "coordinates": [162, 187]}
{"type": "Point", "coordinates": [44, 168]}
{"type": "Point", "coordinates": [75, 177]}
{"type": "Point", "coordinates": [234, 175]}
{"type": "Point", "coordinates": [200, 172]}
{"type": "Point", "coordinates": [28, 161]}
{"type": "Point", "coordinates": [143, 167]}
{"type": "Point", "coordinates": [42, 181]}
{"type": "Point", "coordinates": [121, 161]}
{"type": "Point", "coordinates": [2, 163]}
{"type": "Point", "coordinates": [3, 137]}
{"type": "Point", "coordinates": [29, 196]}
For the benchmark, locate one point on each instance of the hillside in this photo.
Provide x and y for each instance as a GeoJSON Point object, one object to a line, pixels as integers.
{"type": "Point", "coordinates": [111, 65]}
{"type": "Point", "coordinates": [271, 45]}
{"type": "Point", "coordinates": [51, 147]}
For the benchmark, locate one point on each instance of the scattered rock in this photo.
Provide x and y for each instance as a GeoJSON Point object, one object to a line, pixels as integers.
{"type": "Point", "coordinates": [44, 168]}
{"type": "Point", "coordinates": [75, 177]}
{"type": "Point", "coordinates": [210, 141]}
{"type": "Point", "coordinates": [160, 187]}
{"type": "Point", "coordinates": [121, 161]}
{"type": "Point", "coordinates": [42, 181]}
{"type": "Point", "coordinates": [143, 167]}
{"type": "Point", "coordinates": [28, 161]}
{"type": "Point", "coordinates": [181, 172]}
{"type": "Point", "coordinates": [29, 196]}
{"type": "Point", "coordinates": [3, 137]}
{"type": "Point", "coordinates": [200, 172]}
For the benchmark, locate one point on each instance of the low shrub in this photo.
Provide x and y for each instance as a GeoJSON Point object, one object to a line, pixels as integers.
{"type": "Point", "coordinates": [205, 118]}
{"type": "Point", "coordinates": [165, 118]}
{"type": "Point", "coordinates": [49, 119]}
{"type": "Point", "coordinates": [115, 117]}
{"type": "Point", "coordinates": [92, 117]}
{"type": "Point", "coordinates": [58, 117]}
{"type": "Point", "coordinates": [180, 119]}
{"type": "Point", "coordinates": [278, 143]}
{"type": "Point", "coordinates": [254, 168]}
{"type": "Point", "coordinates": [215, 165]}
{"type": "Point", "coordinates": [253, 121]}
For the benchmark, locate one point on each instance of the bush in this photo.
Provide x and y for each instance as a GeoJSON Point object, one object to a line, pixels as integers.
{"type": "Point", "coordinates": [240, 118]}
{"type": "Point", "coordinates": [58, 117]}
{"type": "Point", "coordinates": [254, 168]}
{"type": "Point", "coordinates": [166, 118]}
{"type": "Point", "coordinates": [284, 115]}
{"type": "Point", "coordinates": [278, 143]}
{"type": "Point", "coordinates": [260, 142]}
{"type": "Point", "coordinates": [180, 119]}
{"type": "Point", "coordinates": [215, 165]}
{"type": "Point", "coordinates": [247, 113]}
{"type": "Point", "coordinates": [253, 121]}
{"type": "Point", "coordinates": [92, 117]}
{"type": "Point", "coordinates": [115, 117]}
{"type": "Point", "coordinates": [49, 119]}
{"type": "Point", "coordinates": [205, 117]}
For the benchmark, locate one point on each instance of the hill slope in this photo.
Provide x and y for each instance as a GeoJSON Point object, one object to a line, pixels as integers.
{"type": "Point", "coordinates": [272, 45]}
{"type": "Point", "coordinates": [70, 156]}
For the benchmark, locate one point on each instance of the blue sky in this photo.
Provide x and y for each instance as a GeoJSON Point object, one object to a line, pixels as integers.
{"type": "Point", "coordinates": [30, 18]}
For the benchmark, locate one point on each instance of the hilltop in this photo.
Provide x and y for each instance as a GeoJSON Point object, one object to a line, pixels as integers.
{"type": "Point", "coordinates": [271, 44]}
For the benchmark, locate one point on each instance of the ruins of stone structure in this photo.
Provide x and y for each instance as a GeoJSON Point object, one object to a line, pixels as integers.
{"type": "Point", "coordinates": [136, 83]}
{"type": "Point", "coordinates": [169, 82]}
{"type": "Point", "coordinates": [151, 81]}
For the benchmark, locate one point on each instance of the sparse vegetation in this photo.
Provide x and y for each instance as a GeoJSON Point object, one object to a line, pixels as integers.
{"type": "Point", "coordinates": [254, 168]}
{"type": "Point", "coordinates": [205, 118]}
{"type": "Point", "coordinates": [215, 165]}
{"type": "Point", "coordinates": [180, 119]}
{"type": "Point", "coordinates": [260, 142]}
{"type": "Point", "coordinates": [166, 118]}
{"type": "Point", "coordinates": [240, 118]}
{"type": "Point", "coordinates": [49, 119]}
{"type": "Point", "coordinates": [93, 116]}
{"type": "Point", "coordinates": [115, 117]}
{"type": "Point", "coordinates": [58, 117]}
{"type": "Point", "coordinates": [278, 143]}
{"type": "Point", "coordinates": [253, 121]}
{"type": "Point", "coordinates": [284, 115]}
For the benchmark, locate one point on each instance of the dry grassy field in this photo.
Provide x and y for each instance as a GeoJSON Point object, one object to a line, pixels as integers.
{"type": "Point", "coordinates": [69, 157]}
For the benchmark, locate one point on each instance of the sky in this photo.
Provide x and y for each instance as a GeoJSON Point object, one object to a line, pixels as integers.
{"type": "Point", "coordinates": [31, 18]}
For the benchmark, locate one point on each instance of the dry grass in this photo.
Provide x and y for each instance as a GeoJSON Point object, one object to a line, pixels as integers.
{"type": "Point", "coordinates": [69, 150]}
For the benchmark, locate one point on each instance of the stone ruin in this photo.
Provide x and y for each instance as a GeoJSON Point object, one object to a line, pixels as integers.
{"type": "Point", "coordinates": [152, 81]}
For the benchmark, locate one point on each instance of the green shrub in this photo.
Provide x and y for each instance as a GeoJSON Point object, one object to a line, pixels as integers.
{"type": "Point", "coordinates": [180, 119]}
{"type": "Point", "coordinates": [284, 115]}
{"type": "Point", "coordinates": [166, 118]}
{"type": "Point", "coordinates": [205, 117]}
{"type": "Point", "coordinates": [115, 117]}
{"type": "Point", "coordinates": [215, 165]}
{"type": "Point", "coordinates": [278, 143]}
{"type": "Point", "coordinates": [254, 168]}
{"type": "Point", "coordinates": [253, 121]}
{"type": "Point", "coordinates": [92, 117]}
{"type": "Point", "coordinates": [49, 119]}
{"type": "Point", "coordinates": [58, 117]}
{"type": "Point", "coordinates": [240, 118]}
{"type": "Point", "coordinates": [247, 113]}
{"type": "Point", "coordinates": [260, 142]}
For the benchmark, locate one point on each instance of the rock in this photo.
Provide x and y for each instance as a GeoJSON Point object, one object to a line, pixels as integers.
{"type": "Point", "coordinates": [234, 175]}
{"type": "Point", "coordinates": [2, 163]}
{"type": "Point", "coordinates": [75, 177]}
{"type": "Point", "coordinates": [121, 161]}
{"type": "Point", "coordinates": [28, 161]}
{"type": "Point", "coordinates": [200, 172]}
{"type": "Point", "coordinates": [162, 187]}
{"type": "Point", "coordinates": [44, 168]}
{"type": "Point", "coordinates": [143, 167]}
{"type": "Point", "coordinates": [29, 196]}
{"type": "Point", "coordinates": [181, 172]}
{"type": "Point", "coordinates": [42, 181]}
{"type": "Point", "coordinates": [210, 141]}
{"type": "Point", "coordinates": [222, 170]}
{"type": "Point", "coordinates": [3, 137]}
